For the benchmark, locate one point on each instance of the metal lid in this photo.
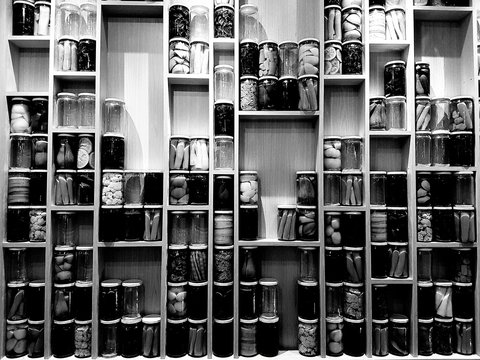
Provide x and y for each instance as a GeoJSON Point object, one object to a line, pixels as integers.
{"type": "Point", "coordinates": [334, 320]}
{"type": "Point", "coordinates": [84, 248]}
{"type": "Point", "coordinates": [183, 283]}
{"type": "Point", "coordinates": [177, 247]}
{"type": "Point", "coordinates": [460, 284]}
{"type": "Point", "coordinates": [288, 77]}
{"type": "Point", "coordinates": [309, 40]}
{"type": "Point", "coordinates": [358, 42]}
{"type": "Point", "coordinates": [249, 321]}
{"type": "Point", "coordinates": [380, 321]}
{"type": "Point", "coordinates": [111, 283]}
{"type": "Point", "coordinates": [422, 97]}
{"type": "Point", "coordinates": [307, 321]}
{"type": "Point", "coordinates": [68, 38]}
{"type": "Point", "coordinates": [354, 321]}
{"type": "Point", "coordinates": [177, 321]}
{"type": "Point", "coordinates": [131, 320]}
{"type": "Point", "coordinates": [14, 284]}
{"type": "Point", "coordinates": [308, 76]}
{"type": "Point", "coordinates": [114, 100]}
{"type": "Point", "coordinates": [64, 248]}
{"type": "Point", "coordinates": [377, 7]}
{"type": "Point", "coordinates": [396, 8]}
{"type": "Point", "coordinates": [266, 320]}
{"type": "Point", "coordinates": [333, 248]}
{"type": "Point", "coordinates": [151, 319]}
{"type": "Point", "coordinates": [36, 322]}
{"type": "Point", "coordinates": [330, 284]}
{"type": "Point", "coordinates": [333, 7]}
{"type": "Point", "coordinates": [393, 98]}
{"type": "Point", "coordinates": [62, 286]}
{"type": "Point", "coordinates": [109, 322]}
{"type": "Point", "coordinates": [199, 284]}
{"type": "Point", "coordinates": [461, 97]}
{"type": "Point", "coordinates": [268, 77]}
{"type": "Point", "coordinates": [216, 283]}
{"type": "Point", "coordinates": [88, 37]}
{"type": "Point", "coordinates": [355, 285]}
{"type": "Point", "coordinates": [395, 62]}
{"type": "Point", "coordinates": [463, 320]}
{"type": "Point", "coordinates": [443, 283]}
{"type": "Point", "coordinates": [268, 282]}
{"type": "Point", "coordinates": [379, 97]}
{"type": "Point", "coordinates": [286, 207]}
{"type": "Point", "coordinates": [83, 284]}
{"type": "Point", "coordinates": [223, 102]}
{"type": "Point", "coordinates": [36, 283]}
{"type": "Point", "coordinates": [425, 284]}
{"type": "Point", "coordinates": [198, 246]}
{"type": "Point", "coordinates": [221, 321]}
{"type": "Point", "coordinates": [461, 133]}
{"type": "Point", "coordinates": [353, 248]}
{"type": "Point", "coordinates": [223, 247]}
{"type": "Point", "coordinates": [83, 322]}
{"type": "Point", "coordinates": [62, 322]}
{"type": "Point", "coordinates": [249, 283]}
{"type": "Point", "coordinates": [263, 42]}
{"type": "Point", "coordinates": [425, 321]}
{"type": "Point", "coordinates": [399, 319]}
{"type": "Point", "coordinates": [444, 320]}
{"type": "Point", "coordinates": [307, 283]}
{"type": "Point", "coordinates": [223, 66]}
{"type": "Point", "coordinates": [288, 42]}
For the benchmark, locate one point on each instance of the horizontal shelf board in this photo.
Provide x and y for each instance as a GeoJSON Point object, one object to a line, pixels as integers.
{"type": "Point", "coordinates": [24, 244]}
{"type": "Point", "coordinates": [276, 242]}
{"type": "Point", "coordinates": [188, 79]}
{"type": "Point", "coordinates": [387, 45]}
{"type": "Point", "coordinates": [19, 207]}
{"type": "Point", "coordinates": [436, 244]}
{"type": "Point", "coordinates": [439, 357]}
{"type": "Point", "coordinates": [277, 115]}
{"type": "Point", "coordinates": [72, 131]}
{"type": "Point", "coordinates": [27, 170]}
{"type": "Point", "coordinates": [73, 208]}
{"type": "Point", "coordinates": [130, 244]}
{"type": "Point", "coordinates": [390, 281]}
{"type": "Point", "coordinates": [75, 75]}
{"type": "Point", "coordinates": [27, 94]}
{"type": "Point", "coordinates": [223, 44]}
{"type": "Point", "coordinates": [344, 208]}
{"type": "Point", "coordinates": [441, 13]}
{"type": "Point", "coordinates": [132, 8]}
{"type": "Point", "coordinates": [390, 134]}
{"type": "Point", "coordinates": [445, 168]}
{"type": "Point", "coordinates": [188, 207]}
{"type": "Point", "coordinates": [30, 42]}
{"type": "Point", "coordinates": [295, 355]}
{"type": "Point", "coordinates": [223, 172]}
{"type": "Point", "coordinates": [344, 80]}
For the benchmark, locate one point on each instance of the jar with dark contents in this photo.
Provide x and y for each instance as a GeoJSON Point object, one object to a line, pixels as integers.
{"type": "Point", "coordinates": [82, 300]}
{"type": "Point", "coordinates": [223, 264]}
{"type": "Point", "coordinates": [36, 304]}
{"type": "Point", "coordinates": [462, 148]}
{"type": "Point", "coordinates": [86, 53]}
{"type": "Point", "coordinates": [398, 335]}
{"type": "Point", "coordinates": [224, 118]}
{"type": "Point", "coordinates": [63, 302]}
{"type": "Point", "coordinates": [177, 263]}
{"type": "Point", "coordinates": [248, 218]}
{"type": "Point", "coordinates": [396, 185]}
{"type": "Point", "coordinates": [151, 336]}
{"type": "Point", "coordinates": [198, 187]}
{"type": "Point", "coordinates": [379, 302]}
{"type": "Point", "coordinates": [222, 339]}
{"type": "Point", "coordinates": [198, 263]}
{"type": "Point", "coordinates": [63, 338]}
{"type": "Point", "coordinates": [35, 338]}
{"type": "Point", "coordinates": [307, 188]}
{"type": "Point", "coordinates": [39, 152]}
{"type": "Point", "coordinates": [308, 299]}
{"type": "Point", "coordinates": [354, 264]}
{"type": "Point", "coordinates": [426, 300]}
{"type": "Point", "coordinates": [179, 19]}
{"type": "Point", "coordinates": [443, 224]}
{"type": "Point", "coordinates": [424, 267]}
{"type": "Point", "coordinates": [288, 93]}
{"type": "Point", "coordinates": [334, 299]}
{"type": "Point", "coordinates": [248, 299]}
{"type": "Point", "coordinates": [39, 116]}
{"type": "Point", "coordinates": [134, 224]}
{"type": "Point", "coordinates": [397, 224]}
{"type": "Point", "coordinates": [17, 225]}
{"type": "Point", "coordinates": [379, 260]}
{"type": "Point", "coordinates": [352, 55]}
{"type": "Point", "coordinates": [464, 265]}
{"type": "Point", "coordinates": [23, 17]}
{"type": "Point", "coordinates": [20, 151]}
{"type": "Point", "coordinates": [83, 338]}
{"type": "Point", "coordinates": [464, 220]}
{"type": "Point", "coordinates": [197, 310]}
{"type": "Point", "coordinates": [394, 78]}
{"type": "Point", "coordinates": [248, 93]}
{"type": "Point", "coordinates": [353, 301]}
{"type": "Point", "coordinates": [423, 145]}
{"type": "Point", "coordinates": [463, 300]}
{"type": "Point", "coordinates": [464, 341]}
{"type": "Point", "coordinates": [380, 341]}
{"type": "Point", "coordinates": [441, 147]}
{"type": "Point", "coordinates": [16, 296]}
{"type": "Point", "coordinates": [85, 187]}
{"type": "Point", "coordinates": [113, 152]}
{"type": "Point", "coordinates": [131, 337]}
{"type": "Point", "coordinates": [248, 337]}
{"type": "Point", "coordinates": [334, 261]}
{"type": "Point", "coordinates": [111, 299]}
{"type": "Point", "coordinates": [268, 93]}
{"type": "Point", "coordinates": [112, 224]}
{"type": "Point", "coordinates": [180, 226]}
{"type": "Point", "coordinates": [422, 78]}
{"type": "Point", "coordinates": [177, 338]}
{"type": "Point", "coordinates": [268, 336]}
{"type": "Point", "coordinates": [222, 300]}
{"type": "Point", "coordinates": [378, 188]}
{"type": "Point", "coordinates": [333, 230]}
{"type": "Point", "coordinates": [354, 337]}
{"type": "Point", "coordinates": [248, 263]}
{"type": "Point", "coordinates": [248, 58]}
{"type": "Point", "coordinates": [443, 336]}
{"type": "Point", "coordinates": [464, 188]}
{"type": "Point", "coordinates": [223, 21]}
{"type": "Point", "coordinates": [425, 337]}
{"type": "Point", "coordinates": [223, 193]}
{"type": "Point", "coordinates": [331, 190]}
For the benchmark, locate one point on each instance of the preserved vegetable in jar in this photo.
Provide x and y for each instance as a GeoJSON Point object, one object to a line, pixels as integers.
{"type": "Point", "coordinates": [110, 299]}
{"type": "Point", "coordinates": [20, 120]}
{"type": "Point", "coordinates": [353, 301]}
{"type": "Point", "coordinates": [222, 339]}
{"type": "Point", "coordinates": [223, 228]}
{"type": "Point", "coordinates": [308, 337]}
{"type": "Point", "coordinates": [177, 263]}
{"type": "Point", "coordinates": [151, 336]}
{"type": "Point", "coordinates": [197, 310]}
{"type": "Point", "coordinates": [333, 57]}
{"type": "Point", "coordinates": [308, 55]}
{"type": "Point", "coordinates": [308, 92]}
{"type": "Point", "coordinates": [378, 114]}
{"type": "Point", "coordinates": [248, 300]}
{"type": "Point", "coordinates": [63, 338]}
{"type": "Point", "coordinates": [443, 336]}
{"type": "Point", "coordinates": [352, 188]}
{"type": "Point", "coordinates": [268, 59]}
{"type": "Point", "coordinates": [334, 299]}
{"type": "Point", "coordinates": [425, 337]}
{"type": "Point", "coordinates": [378, 188]}
{"type": "Point", "coordinates": [63, 302]}
{"type": "Point", "coordinates": [224, 118]}
{"type": "Point", "coordinates": [248, 93]}
{"type": "Point", "coordinates": [462, 149]}
{"type": "Point", "coordinates": [67, 54]}
{"type": "Point", "coordinates": [379, 302]}
{"type": "Point", "coordinates": [333, 23]}
{"type": "Point", "coordinates": [223, 264]}
{"type": "Point", "coordinates": [224, 83]}
{"type": "Point", "coordinates": [177, 300]}
{"type": "Point", "coordinates": [36, 305]}
{"type": "Point", "coordinates": [109, 338]}
{"type": "Point", "coordinates": [16, 300]}
{"type": "Point", "coordinates": [352, 57]}
{"type": "Point", "coordinates": [422, 113]}
{"type": "Point", "coordinates": [198, 263]}
{"type": "Point", "coordinates": [288, 54]}
{"type": "Point", "coordinates": [224, 152]}
{"type": "Point", "coordinates": [35, 338]}
{"type": "Point", "coordinates": [179, 56]}
{"type": "Point", "coordinates": [395, 23]}
{"type": "Point", "coordinates": [248, 337]}
{"type": "Point", "coordinates": [113, 152]}
{"type": "Point", "coordinates": [464, 342]}
{"type": "Point", "coordinates": [267, 336]}
{"type": "Point", "coordinates": [86, 53]}
{"type": "Point", "coordinates": [133, 298]}
{"type": "Point", "coordinates": [131, 337]}
{"type": "Point", "coordinates": [249, 55]}
{"type": "Point", "coordinates": [222, 300]}
{"type": "Point", "coordinates": [288, 93]}
{"type": "Point", "coordinates": [179, 191]}
{"type": "Point", "coordinates": [461, 118]}
{"type": "Point", "coordinates": [440, 114]}
{"type": "Point", "coordinates": [398, 336]}
{"type": "Point", "coordinates": [82, 300]}
{"type": "Point", "coordinates": [198, 187]}
{"type": "Point", "coordinates": [422, 78]}
{"type": "Point", "coordinates": [331, 189]}
{"type": "Point", "coordinates": [198, 23]}
{"type": "Point", "coordinates": [354, 337]}
{"type": "Point", "coordinates": [352, 23]}
{"type": "Point", "coordinates": [308, 301]}
{"type": "Point", "coordinates": [267, 93]}
{"type": "Point", "coordinates": [177, 338]}
{"type": "Point", "coordinates": [179, 20]}
{"type": "Point", "coordinates": [377, 28]}
{"type": "Point", "coordinates": [380, 337]}
{"type": "Point", "coordinates": [394, 78]}
{"type": "Point", "coordinates": [197, 337]}
{"type": "Point", "coordinates": [423, 145]}
{"type": "Point", "coordinates": [353, 264]}
{"type": "Point", "coordinates": [306, 188]}
{"type": "Point", "coordinates": [199, 51]}
{"type": "Point", "coordinates": [332, 151]}
{"type": "Point", "coordinates": [223, 21]}
{"type": "Point", "coordinates": [83, 338]}
{"type": "Point", "coordinates": [23, 17]}
{"type": "Point", "coordinates": [396, 113]}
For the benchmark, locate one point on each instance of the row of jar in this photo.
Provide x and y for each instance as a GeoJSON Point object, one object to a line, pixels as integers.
{"type": "Point", "coordinates": [388, 188]}
{"type": "Point", "coordinates": [29, 115]}
{"type": "Point", "coordinates": [460, 270]}
{"type": "Point", "coordinates": [343, 188]}
{"type": "Point", "coordinates": [27, 188]}
{"type": "Point", "coordinates": [76, 21]}
{"type": "Point", "coordinates": [389, 224]}
{"type": "Point", "coordinates": [27, 225]}
{"type": "Point", "coordinates": [347, 264]}
{"type": "Point", "coordinates": [192, 153]}
{"type": "Point", "coordinates": [390, 260]}
{"type": "Point", "coordinates": [188, 57]}
{"type": "Point", "coordinates": [453, 114]}
{"type": "Point", "coordinates": [132, 187]}
{"type": "Point", "coordinates": [286, 93]}
{"type": "Point", "coordinates": [25, 300]}
{"type": "Point", "coordinates": [24, 338]}
{"type": "Point", "coordinates": [28, 151]}
{"type": "Point", "coordinates": [344, 23]}
{"type": "Point", "coordinates": [75, 55]}
{"type": "Point", "coordinates": [189, 23]}
{"type": "Point", "coordinates": [75, 111]}
{"type": "Point", "coordinates": [31, 18]}
{"type": "Point", "coordinates": [191, 264]}
{"type": "Point", "coordinates": [388, 113]}
{"type": "Point", "coordinates": [442, 148]}
{"type": "Point", "coordinates": [445, 188]}
{"type": "Point", "coordinates": [72, 263]}
{"type": "Point", "coordinates": [74, 187]}
{"type": "Point", "coordinates": [343, 58]}
{"type": "Point", "coordinates": [342, 153]}
{"type": "Point", "coordinates": [386, 24]}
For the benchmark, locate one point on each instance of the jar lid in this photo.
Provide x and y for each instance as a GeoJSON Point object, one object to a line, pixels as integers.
{"type": "Point", "coordinates": [179, 172]}
{"type": "Point", "coordinates": [36, 283]}
{"type": "Point", "coordinates": [306, 248]}
{"type": "Point", "coordinates": [199, 284]}
{"type": "Point", "coordinates": [422, 97]}
{"type": "Point", "coordinates": [395, 62]}
{"type": "Point", "coordinates": [62, 286]}
{"type": "Point", "coordinates": [334, 320]}
{"type": "Point", "coordinates": [226, 321]}
{"type": "Point", "coordinates": [37, 99]}
{"type": "Point", "coordinates": [423, 132]}
{"type": "Point", "coordinates": [425, 249]}
{"type": "Point", "coordinates": [354, 321]}
{"type": "Point", "coordinates": [64, 248]}
{"type": "Point", "coordinates": [379, 285]}
{"type": "Point", "coordinates": [421, 63]}
{"type": "Point", "coordinates": [396, 208]}
{"type": "Point", "coordinates": [66, 171]}
{"type": "Point", "coordinates": [307, 283]}
{"type": "Point", "coordinates": [464, 173]}
{"type": "Point", "coordinates": [17, 249]}
{"type": "Point", "coordinates": [63, 322]}
{"type": "Point", "coordinates": [83, 284]}
{"type": "Point", "coordinates": [151, 319]}
{"type": "Point", "coordinates": [216, 283]}
{"type": "Point", "coordinates": [443, 283]}
{"type": "Point", "coordinates": [307, 321]}
{"type": "Point", "coordinates": [21, 135]}
{"type": "Point", "coordinates": [358, 42]}
{"type": "Point", "coordinates": [86, 135]}
{"type": "Point", "coordinates": [425, 284]}
{"type": "Point", "coordinates": [393, 98]}
{"type": "Point", "coordinates": [332, 172]}
{"type": "Point", "coordinates": [199, 42]}
{"type": "Point", "coordinates": [177, 247]}
{"type": "Point", "coordinates": [355, 7]}
{"type": "Point", "coordinates": [379, 97]}
{"type": "Point", "coordinates": [309, 40]}
{"type": "Point", "coordinates": [114, 100]}
{"type": "Point", "coordinates": [248, 9]}
{"type": "Point", "coordinates": [268, 282]}
{"type": "Point", "coordinates": [179, 212]}
{"type": "Point", "coordinates": [333, 213]}
{"type": "Point", "coordinates": [308, 76]}
{"type": "Point", "coordinates": [288, 77]}
{"type": "Point", "coordinates": [249, 283]}
{"type": "Point", "coordinates": [437, 99]}
{"type": "Point", "coordinates": [382, 243]}
{"type": "Point", "coordinates": [177, 284]}
{"type": "Point", "coordinates": [427, 173]}
{"type": "Point", "coordinates": [263, 42]}
{"type": "Point", "coordinates": [222, 212]}
{"type": "Point", "coordinates": [306, 207]}
{"type": "Point", "coordinates": [111, 283]}
{"type": "Point", "coordinates": [268, 77]}
{"type": "Point", "coordinates": [354, 285]}
{"type": "Point", "coordinates": [88, 38]}
{"type": "Point", "coordinates": [177, 321]}
{"type": "Point", "coordinates": [83, 322]}
{"type": "Point", "coordinates": [377, 7]}
{"type": "Point", "coordinates": [199, 212]}
{"type": "Point", "coordinates": [463, 320]}
{"type": "Point", "coordinates": [109, 322]}
{"type": "Point", "coordinates": [131, 320]}
{"type": "Point", "coordinates": [399, 319]}
{"type": "Point", "coordinates": [353, 248]}
{"type": "Point", "coordinates": [333, 248]}
{"type": "Point", "coordinates": [353, 213]}
{"type": "Point", "coordinates": [352, 137]}
{"type": "Point", "coordinates": [223, 67]}
{"type": "Point", "coordinates": [425, 321]}
{"type": "Point", "coordinates": [380, 321]}
{"type": "Point", "coordinates": [463, 249]}
{"type": "Point", "coordinates": [223, 247]}
{"type": "Point", "coordinates": [224, 177]}
{"type": "Point", "coordinates": [27, 2]}
{"type": "Point", "coordinates": [397, 243]}
{"type": "Point", "coordinates": [306, 172]}
{"type": "Point", "coordinates": [193, 321]}
{"type": "Point", "coordinates": [68, 4]}
{"type": "Point", "coordinates": [224, 137]}
{"type": "Point", "coordinates": [36, 322]}
{"type": "Point", "coordinates": [464, 208]}
{"type": "Point", "coordinates": [442, 208]}
{"type": "Point", "coordinates": [287, 42]}
{"type": "Point", "coordinates": [460, 284]}
{"type": "Point", "coordinates": [249, 247]}
{"type": "Point", "coordinates": [117, 136]}
{"type": "Point", "coordinates": [248, 77]}
{"type": "Point", "coordinates": [223, 6]}
{"type": "Point", "coordinates": [84, 248]}
{"type": "Point", "coordinates": [455, 133]}
{"type": "Point", "coordinates": [65, 94]}
{"type": "Point", "coordinates": [333, 7]}
{"type": "Point", "coordinates": [14, 284]}
{"type": "Point", "coordinates": [223, 102]}
{"type": "Point", "coordinates": [17, 322]}
{"type": "Point", "coordinates": [444, 320]}
{"type": "Point", "coordinates": [462, 97]}
{"type": "Point", "coordinates": [249, 41]}
{"type": "Point", "coordinates": [330, 284]}
{"type": "Point", "coordinates": [68, 38]}
{"type": "Point", "coordinates": [198, 246]}
{"type": "Point", "coordinates": [286, 207]}
{"type": "Point", "coordinates": [396, 8]}
{"type": "Point", "coordinates": [331, 137]}
{"type": "Point", "coordinates": [443, 172]}
{"type": "Point", "coordinates": [249, 321]}
{"type": "Point", "coordinates": [266, 320]}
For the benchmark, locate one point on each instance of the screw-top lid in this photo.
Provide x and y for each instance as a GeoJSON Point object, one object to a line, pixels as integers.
{"type": "Point", "coordinates": [444, 320]}
{"type": "Point", "coordinates": [216, 283]}
{"type": "Point", "coordinates": [183, 283]}
{"type": "Point", "coordinates": [199, 284]}
{"type": "Point", "coordinates": [249, 321]}
{"type": "Point", "coordinates": [354, 321]}
{"type": "Point", "coordinates": [399, 319]}
{"type": "Point", "coordinates": [193, 321]}
{"type": "Point", "coordinates": [14, 284]}
{"type": "Point", "coordinates": [36, 283]}
{"type": "Point", "coordinates": [151, 319]}
{"type": "Point", "coordinates": [36, 322]}
{"type": "Point", "coordinates": [111, 283]}
{"type": "Point", "coordinates": [330, 284]}
{"type": "Point", "coordinates": [131, 320]}
{"type": "Point", "coordinates": [395, 62]}
{"type": "Point", "coordinates": [61, 286]}
{"type": "Point", "coordinates": [248, 283]}
{"type": "Point", "coordinates": [425, 321]}
{"type": "Point", "coordinates": [221, 321]}
{"type": "Point", "coordinates": [177, 321]}
{"type": "Point", "coordinates": [83, 322]}
{"type": "Point", "coordinates": [425, 284]}
{"type": "Point", "coordinates": [307, 283]}
{"type": "Point", "coordinates": [268, 282]}
{"type": "Point", "coordinates": [64, 248]}
{"type": "Point", "coordinates": [83, 284]}
{"type": "Point", "coordinates": [307, 321]}
{"type": "Point", "coordinates": [109, 322]}
{"type": "Point", "coordinates": [266, 320]}
{"type": "Point", "coordinates": [62, 322]}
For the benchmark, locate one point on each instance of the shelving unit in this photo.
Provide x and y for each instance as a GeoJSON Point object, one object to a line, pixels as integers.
{"type": "Point", "coordinates": [132, 64]}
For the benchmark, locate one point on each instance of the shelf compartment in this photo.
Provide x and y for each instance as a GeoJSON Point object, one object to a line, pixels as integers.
{"type": "Point", "coordinates": [188, 79]}
{"type": "Point", "coordinates": [445, 245]}
{"type": "Point", "coordinates": [223, 44]}
{"type": "Point", "coordinates": [35, 260]}
{"type": "Point", "coordinates": [343, 79]}
{"type": "Point", "coordinates": [25, 244]}
{"type": "Point", "coordinates": [386, 46]}
{"type": "Point", "coordinates": [223, 172]}
{"type": "Point", "coordinates": [189, 110]}
{"type": "Point", "coordinates": [377, 66]}
{"type": "Point", "coordinates": [441, 13]}
{"type": "Point", "coordinates": [27, 70]}
{"type": "Point", "coordinates": [389, 154]}
{"type": "Point", "coordinates": [278, 243]}
{"type": "Point", "coordinates": [132, 8]}
{"type": "Point", "coordinates": [30, 42]}
{"type": "Point", "coordinates": [130, 244]}
{"type": "Point", "coordinates": [279, 115]}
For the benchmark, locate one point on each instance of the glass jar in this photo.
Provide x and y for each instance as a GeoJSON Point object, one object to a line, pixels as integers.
{"type": "Point", "coordinates": [114, 116]}
{"type": "Point", "coordinates": [153, 224]}
{"type": "Point", "coordinates": [86, 108]}
{"type": "Point", "coordinates": [440, 114]}
{"type": "Point", "coordinates": [380, 309]}
{"type": "Point", "coordinates": [67, 110]}
{"type": "Point", "coordinates": [443, 299]}
{"type": "Point", "coordinates": [353, 264]}
{"type": "Point", "coordinates": [20, 151]}
{"type": "Point", "coordinates": [442, 184]}
{"type": "Point", "coordinates": [286, 222]}
{"type": "Point", "coordinates": [134, 187]}
{"type": "Point", "coordinates": [461, 117]}
{"type": "Point", "coordinates": [224, 21]}
{"type": "Point", "coordinates": [308, 299]}
{"type": "Point", "coordinates": [248, 263]}
{"type": "Point", "coordinates": [111, 299]}
{"type": "Point", "coordinates": [38, 187]}
{"type": "Point", "coordinates": [198, 187]}
{"type": "Point", "coordinates": [395, 24]}
{"type": "Point", "coordinates": [112, 187]}
{"type": "Point", "coordinates": [352, 56]}
{"type": "Point", "coordinates": [199, 55]}
{"type": "Point", "coordinates": [248, 218]}
{"type": "Point", "coordinates": [397, 224]}
{"type": "Point", "coordinates": [131, 337]}
{"type": "Point", "coordinates": [425, 337]}
{"type": "Point", "coordinates": [331, 193]}
{"type": "Point", "coordinates": [333, 54]}
{"type": "Point", "coordinates": [223, 193]}
{"type": "Point", "coordinates": [63, 301]}
{"type": "Point", "coordinates": [179, 191]}
{"type": "Point", "coordinates": [199, 153]}
{"type": "Point", "coordinates": [308, 337]}
{"type": "Point", "coordinates": [353, 301]}
{"type": "Point", "coordinates": [84, 263]}
{"type": "Point", "coordinates": [268, 59]}
{"type": "Point", "coordinates": [134, 224]}
{"type": "Point", "coordinates": [177, 300]}
{"type": "Point", "coordinates": [224, 83]}
{"type": "Point", "coordinates": [422, 78]}
{"type": "Point", "coordinates": [333, 23]}
{"type": "Point", "coordinates": [18, 189]}
{"type": "Point", "coordinates": [248, 60]}
{"type": "Point", "coordinates": [396, 117]}
{"type": "Point", "coordinates": [267, 93]}
{"type": "Point", "coordinates": [422, 113]}
{"type": "Point", "coordinates": [64, 264]}
{"type": "Point", "coordinates": [423, 144]}
{"type": "Point", "coordinates": [199, 23]}
{"type": "Point", "coordinates": [179, 61]}
{"type": "Point", "coordinates": [443, 224]}
{"type": "Point", "coordinates": [39, 116]}
{"type": "Point", "coordinates": [179, 21]}
{"type": "Point", "coordinates": [334, 299]}
{"type": "Point", "coordinates": [352, 23]}
{"type": "Point", "coordinates": [378, 181]}
{"type": "Point", "coordinates": [464, 221]}
{"type": "Point", "coordinates": [397, 183]}
{"type": "Point", "coordinates": [18, 222]}
{"type": "Point", "coordinates": [199, 228]}
{"type": "Point", "coordinates": [151, 336]}
{"type": "Point", "coordinates": [248, 93]}
{"type": "Point", "coordinates": [249, 23]}
{"type": "Point", "coordinates": [67, 54]}
{"type": "Point", "coordinates": [288, 55]}
{"type": "Point", "coordinates": [269, 298]}
{"type": "Point", "coordinates": [16, 342]}
{"type": "Point", "coordinates": [464, 188]}
{"type": "Point", "coordinates": [352, 188]}
{"type": "Point", "coordinates": [223, 264]}
{"type": "Point", "coordinates": [380, 335]}
{"type": "Point", "coordinates": [353, 234]}
{"type": "Point", "coordinates": [23, 17]}
{"type": "Point", "coordinates": [222, 300]}
{"type": "Point", "coordinates": [308, 271]}
{"type": "Point", "coordinates": [113, 152]}
{"type": "Point", "coordinates": [248, 187]}
{"type": "Point", "coordinates": [424, 267]}
{"type": "Point", "coordinates": [83, 338]}
{"type": "Point", "coordinates": [306, 223]}
{"type": "Point", "coordinates": [248, 300]}
{"type": "Point", "coordinates": [177, 338]}
{"type": "Point", "coordinates": [463, 301]}
{"type": "Point", "coordinates": [464, 342]}
{"type": "Point", "coordinates": [20, 120]}
{"type": "Point", "coordinates": [394, 77]}
{"type": "Point", "coordinates": [82, 300]}
{"type": "Point", "coordinates": [308, 55]}
{"type": "Point", "coordinates": [197, 310]}
{"type": "Point", "coordinates": [224, 151]}
{"type": "Point", "coordinates": [179, 232]}
{"type": "Point", "coordinates": [35, 338]}
{"type": "Point", "coordinates": [354, 337]}
{"type": "Point", "coordinates": [378, 114]}
{"type": "Point", "coordinates": [398, 335]}
{"type": "Point", "coordinates": [88, 20]}
{"type": "Point", "coordinates": [442, 336]}
{"type": "Point", "coordinates": [63, 336]}
{"type": "Point", "coordinates": [222, 339]}
{"type": "Point", "coordinates": [197, 337]}
{"type": "Point", "coordinates": [223, 228]}
{"type": "Point", "coordinates": [332, 153]}
{"type": "Point", "coordinates": [462, 149]}
{"type": "Point", "coordinates": [268, 336]}
{"type": "Point", "coordinates": [426, 300]}
{"type": "Point", "coordinates": [334, 264]}
{"type": "Point", "coordinates": [306, 188]}
{"type": "Point", "coordinates": [133, 298]}
{"type": "Point", "coordinates": [352, 149]}
{"type": "Point", "coordinates": [112, 224]}
{"type": "Point", "coordinates": [224, 118]}
{"type": "Point", "coordinates": [66, 233]}
{"type": "Point", "coordinates": [36, 305]}
{"type": "Point", "coordinates": [68, 20]}
{"type": "Point", "coordinates": [153, 194]}
{"type": "Point", "coordinates": [86, 53]}
{"type": "Point", "coordinates": [463, 266]}
{"type": "Point", "coordinates": [288, 93]}
{"type": "Point", "coordinates": [39, 152]}
{"type": "Point", "coordinates": [109, 338]}
{"type": "Point", "coordinates": [377, 28]}
{"type": "Point", "coordinates": [198, 263]}
{"type": "Point", "coordinates": [248, 337]}
{"type": "Point", "coordinates": [16, 299]}
{"type": "Point", "coordinates": [380, 260]}
{"type": "Point", "coordinates": [308, 92]}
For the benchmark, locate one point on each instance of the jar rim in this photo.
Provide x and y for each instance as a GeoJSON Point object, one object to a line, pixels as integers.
{"type": "Point", "coordinates": [357, 7]}
{"type": "Point", "coordinates": [66, 94]}
{"type": "Point", "coordinates": [309, 39]}
{"type": "Point", "coordinates": [197, 284]}
{"type": "Point", "coordinates": [286, 207]}
{"type": "Point", "coordinates": [354, 285]}
{"type": "Point", "coordinates": [352, 42]}
{"type": "Point", "coordinates": [63, 286]}
{"type": "Point", "coordinates": [84, 284]}
{"type": "Point", "coordinates": [381, 97]}
{"type": "Point", "coordinates": [333, 248]}
{"type": "Point", "coordinates": [88, 37]}
{"type": "Point", "coordinates": [248, 283]}
{"type": "Point", "coordinates": [112, 99]}
{"type": "Point", "coordinates": [334, 284]}
{"type": "Point", "coordinates": [131, 320]}
{"type": "Point", "coordinates": [249, 6]}
{"type": "Point", "coordinates": [397, 243]}
{"type": "Point", "coordinates": [425, 321]}
{"type": "Point", "coordinates": [307, 283]}
{"type": "Point", "coordinates": [268, 77]}
{"type": "Point", "coordinates": [16, 284]}
{"type": "Point", "coordinates": [399, 319]}
{"type": "Point", "coordinates": [38, 99]}
{"type": "Point", "coordinates": [223, 284]}
{"type": "Point", "coordinates": [151, 319]}
{"type": "Point", "coordinates": [36, 322]}
{"type": "Point", "coordinates": [175, 137]}
{"type": "Point", "coordinates": [223, 6]}
{"type": "Point", "coordinates": [395, 8]}
{"type": "Point", "coordinates": [306, 207]}
{"type": "Point", "coordinates": [308, 76]}
{"type": "Point", "coordinates": [444, 320]}
{"type": "Point", "coordinates": [422, 97]}
{"type": "Point", "coordinates": [68, 38]}
{"type": "Point", "coordinates": [381, 243]}
{"type": "Point", "coordinates": [375, 7]}
{"type": "Point", "coordinates": [464, 173]}
{"type": "Point", "coordinates": [69, 4]}
{"type": "Point", "coordinates": [226, 137]}
{"type": "Point", "coordinates": [443, 283]}
{"type": "Point", "coordinates": [460, 97]}
{"type": "Point", "coordinates": [17, 322]}
{"type": "Point", "coordinates": [193, 321]}
{"type": "Point", "coordinates": [397, 208]}
{"type": "Point", "coordinates": [64, 248]}
{"type": "Point", "coordinates": [333, 7]}
{"type": "Point", "coordinates": [249, 321]}
{"type": "Point", "coordinates": [111, 283]}
{"type": "Point", "coordinates": [436, 99]}
{"type": "Point", "coordinates": [199, 42]}
{"type": "Point", "coordinates": [423, 132]}
{"type": "Point", "coordinates": [249, 247]}
{"type": "Point", "coordinates": [263, 42]}
{"type": "Point", "coordinates": [395, 62]}
{"type": "Point", "coordinates": [247, 172]}
{"type": "Point", "coordinates": [308, 321]}
{"type": "Point", "coordinates": [463, 320]}
{"type": "Point", "coordinates": [177, 321]}
{"type": "Point", "coordinates": [223, 102]}
{"type": "Point", "coordinates": [226, 321]}
{"type": "Point", "coordinates": [380, 321]}
{"type": "Point", "coordinates": [425, 284]}
{"type": "Point", "coordinates": [63, 322]}
{"type": "Point", "coordinates": [110, 322]}
{"type": "Point", "coordinates": [464, 208]}
{"type": "Point", "coordinates": [422, 63]}
{"type": "Point", "coordinates": [354, 321]}
{"type": "Point", "coordinates": [84, 248]}
{"type": "Point", "coordinates": [248, 77]}
{"type": "Point", "coordinates": [177, 284]}
{"type": "Point", "coordinates": [392, 98]}
{"type": "Point", "coordinates": [442, 208]}
{"type": "Point", "coordinates": [177, 247]}
{"type": "Point", "coordinates": [267, 320]}
{"type": "Point", "coordinates": [424, 208]}
{"type": "Point", "coordinates": [460, 284]}
{"type": "Point", "coordinates": [223, 247]}
{"type": "Point", "coordinates": [249, 41]}
{"type": "Point", "coordinates": [222, 212]}
{"type": "Point", "coordinates": [287, 42]}
{"type": "Point", "coordinates": [353, 248]}
{"type": "Point", "coordinates": [307, 248]}
{"type": "Point", "coordinates": [198, 246]}
{"type": "Point", "coordinates": [461, 133]}
{"type": "Point", "coordinates": [113, 135]}
{"type": "Point", "coordinates": [223, 66]}
{"type": "Point", "coordinates": [23, 2]}
{"type": "Point", "coordinates": [83, 322]}
{"type": "Point", "coordinates": [36, 283]}
{"type": "Point", "coordinates": [268, 282]}
{"type": "Point", "coordinates": [287, 77]}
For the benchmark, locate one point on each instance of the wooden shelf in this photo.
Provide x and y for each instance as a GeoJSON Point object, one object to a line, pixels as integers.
{"type": "Point", "coordinates": [130, 244]}
{"type": "Point", "coordinates": [445, 168]}
{"type": "Point", "coordinates": [392, 281]}
{"type": "Point", "coordinates": [132, 8]}
{"type": "Point", "coordinates": [343, 80]}
{"type": "Point", "coordinates": [223, 172]}
{"type": "Point", "coordinates": [223, 44]}
{"type": "Point", "coordinates": [188, 207]}
{"type": "Point", "coordinates": [344, 208]}
{"type": "Point", "coordinates": [188, 79]}
{"type": "Point", "coordinates": [446, 245]}
{"type": "Point", "coordinates": [387, 46]}
{"type": "Point", "coordinates": [72, 131]}
{"type": "Point", "coordinates": [390, 134]}
{"type": "Point", "coordinates": [278, 243]}
{"type": "Point", "coordinates": [441, 13]}
{"type": "Point", "coordinates": [75, 75]}
{"type": "Point", "coordinates": [78, 208]}
{"type": "Point", "coordinates": [27, 94]}
{"type": "Point", "coordinates": [30, 42]}
{"type": "Point", "coordinates": [27, 244]}
{"type": "Point", "coordinates": [278, 115]}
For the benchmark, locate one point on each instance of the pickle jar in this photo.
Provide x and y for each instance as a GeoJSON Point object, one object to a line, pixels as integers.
{"type": "Point", "coordinates": [464, 222]}
{"type": "Point", "coordinates": [248, 263]}
{"type": "Point", "coordinates": [223, 192]}
{"type": "Point", "coordinates": [397, 224]}
{"type": "Point", "coordinates": [395, 23]}
{"type": "Point", "coordinates": [440, 114]}
{"type": "Point", "coordinates": [134, 223]}
{"type": "Point", "coordinates": [224, 83]}
{"type": "Point", "coordinates": [151, 336]}
{"type": "Point", "coordinates": [331, 191]}
{"type": "Point", "coordinates": [222, 339]}
{"type": "Point", "coordinates": [197, 337]}
{"type": "Point", "coordinates": [114, 116]}
{"type": "Point", "coordinates": [198, 263]}
{"type": "Point", "coordinates": [134, 187]}
{"type": "Point", "coordinates": [288, 54]}
{"type": "Point", "coordinates": [288, 93]}
{"type": "Point", "coordinates": [133, 298]}
{"type": "Point", "coordinates": [249, 26]}
{"type": "Point", "coordinates": [109, 338]}
{"type": "Point", "coordinates": [380, 336]}
{"type": "Point", "coordinates": [333, 22]}
{"type": "Point", "coordinates": [286, 222]}
{"type": "Point", "coordinates": [352, 149]}
{"type": "Point", "coordinates": [443, 336]}
{"type": "Point", "coordinates": [308, 57]}
{"type": "Point", "coordinates": [426, 300]}
{"type": "Point", "coordinates": [63, 301]}
{"type": "Point", "coordinates": [18, 264]}
{"type": "Point", "coordinates": [85, 187]}
{"type": "Point", "coordinates": [23, 17]}
{"type": "Point", "coordinates": [352, 188]}
{"type": "Point", "coordinates": [223, 264]}
{"type": "Point", "coordinates": [464, 342]}
{"type": "Point", "coordinates": [248, 60]}
{"type": "Point", "coordinates": [461, 117]}
{"type": "Point", "coordinates": [248, 187]}
{"type": "Point", "coordinates": [131, 336]}
{"type": "Point", "coordinates": [248, 337]}
{"type": "Point", "coordinates": [425, 337]}
{"type": "Point", "coordinates": [267, 89]}
{"type": "Point", "coordinates": [83, 338]}
{"type": "Point", "coordinates": [224, 118]}
{"type": "Point", "coordinates": [86, 53]}
{"type": "Point", "coordinates": [199, 51]}
{"type": "Point", "coordinates": [224, 150]}
{"type": "Point", "coordinates": [443, 224]}
{"type": "Point", "coordinates": [224, 21]}
{"type": "Point", "coordinates": [179, 24]}
{"type": "Point", "coordinates": [35, 338]}
{"type": "Point", "coordinates": [352, 56]}
{"type": "Point", "coordinates": [306, 222]}
{"type": "Point", "coordinates": [308, 271]}
{"type": "Point", "coordinates": [248, 93]}
{"type": "Point", "coordinates": [67, 110]}
{"type": "Point", "coordinates": [353, 264]}
{"type": "Point", "coordinates": [332, 152]}
{"type": "Point", "coordinates": [380, 260]}
{"type": "Point", "coordinates": [86, 108]}
{"type": "Point", "coordinates": [333, 55]}
{"type": "Point", "coordinates": [112, 187]}
{"type": "Point", "coordinates": [377, 22]}
{"type": "Point", "coordinates": [423, 146]}
{"type": "Point", "coordinates": [223, 228]}
{"type": "Point", "coordinates": [111, 302]}
{"type": "Point", "coordinates": [378, 180]}
{"type": "Point", "coordinates": [267, 336]}
{"type": "Point", "coordinates": [82, 300]}
{"type": "Point", "coordinates": [63, 338]}
{"type": "Point", "coordinates": [18, 189]}
{"type": "Point", "coordinates": [84, 261]}
{"type": "Point", "coordinates": [353, 300]}
{"type": "Point", "coordinates": [248, 219]}
{"type": "Point", "coordinates": [179, 232]}
{"type": "Point", "coordinates": [20, 151]}
{"type": "Point", "coordinates": [113, 152]}
{"type": "Point", "coordinates": [378, 114]}
{"type": "Point", "coordinates": [354, 337]}
{"type": "Point", "coordinates": [422, 78]}
{"type": "Point", "coordinates": [179, 61]}
{"type": "Point", "coordinates": [199, 228]}
{"type": "Point", "coordinates": [222, 300]}
{"type": "Point", "coordinates": [64, 264]}
{"type": "Point", "coordinates": [269, 298]}
{"type": "Point", "coordinates": [352, 23]}
{"type": "Point", "coordinates": [39, 152]}
{"type": "Point", "coordinates": [39, 116]}
{"type": "Point", "coordinates": [248, 300]}
{"type": "Point", "coordinates": [396, 185]}
{"type": "Point", "coordinates": [394, 79]}
{"type": "Point", "coordinates": [306, 188]}
{"type": "Point", "coordinates": [66, 232]}
{"type": "Point", "coordinates": [334, 261]}
{"type": "Point", "coordinates": [177, 338]}
{"type": "Point", "coordinates": [268, 59]}
{"type": "Point", "coordinates": [20, 120]}
{"type": "Point", "coordinates": [396, 114]}
{"type": "Point", "coordinates": [177, 300]}
{"type": "Point", "coordinates": [398, 335]}
{"type": "Point", "coordinates": [443, 299]}
{"type": "Point", "coordinates": [179, 190]}
{"type": "Point", "coordinates": [462, 148]}
{"type": "Point", "coordinates": [153, 194]}
{"type": "Point", "coordinates": [333, 231]}
{"type": "Point", "coordinates": [36, 304]}
{"type": "Point", "coordinates": [463, 301]}
{"type": "Point", "coordinates": [308, 92]}
{"type": "Point", "coordinates": [464, 188]}
{"type": "Point", "coordinates": [112, 224]}
{"type": "Point", "coordinates": [422, 113]}
{"type": "Point", "coordinates": [67, 54]}
{"type": "Point", "coordinates": [198, 187]}
{"type": "Point", "coordinates": [463, 265]}
{"type": "Point", "coordinates": [308, 301]}
{"type": "Point", "coordinates": [308, 337]}
{"type": "Point", "coordinates": [424, 264]}
{"type": "Point", "coordinates": [16, 299]}
{"type": "Point", "coordinates": [334, 299]}
{"type": "Point", "coordinates": [197, 310]}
